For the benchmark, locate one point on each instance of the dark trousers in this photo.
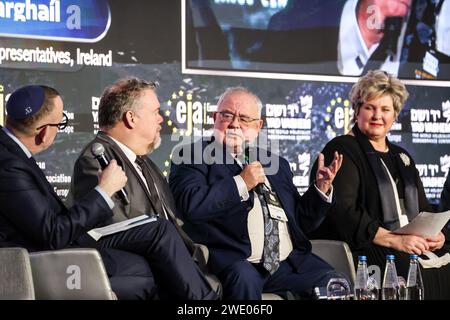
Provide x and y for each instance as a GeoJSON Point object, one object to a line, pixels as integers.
{"type": "Point", "coordinates": [175, 273]}
{"type": "Point", "coordinates": [243, 280]}
{"type": "Point", "coordinates": [129, 275]}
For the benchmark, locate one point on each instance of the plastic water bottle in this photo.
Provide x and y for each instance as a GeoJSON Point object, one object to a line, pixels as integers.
{"type": "Point", "coordinates": [390, 287]}
{"type": "Point", "coordinates": [414, 284]}
{"type": "Point", "coordinates": [362, 275]}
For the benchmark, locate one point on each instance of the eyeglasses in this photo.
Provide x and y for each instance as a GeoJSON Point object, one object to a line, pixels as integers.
{"type": "Point", "coordinates": [61, 126]}
{"type": "Point", "coordinates": [229, 117]}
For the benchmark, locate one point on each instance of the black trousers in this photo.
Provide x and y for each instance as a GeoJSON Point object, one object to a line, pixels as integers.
{"type": "Point", "coordinates": [175, 272]}
{"type": "Point", "coordinates": [129, 275]}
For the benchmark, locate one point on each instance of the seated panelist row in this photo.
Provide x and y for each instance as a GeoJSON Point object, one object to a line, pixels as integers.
{"type": "Point", "coordinates": [150, 260]}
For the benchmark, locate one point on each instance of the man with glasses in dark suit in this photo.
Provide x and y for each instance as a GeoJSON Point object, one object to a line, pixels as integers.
{"type": "Point", "coordinates": [249, 213]}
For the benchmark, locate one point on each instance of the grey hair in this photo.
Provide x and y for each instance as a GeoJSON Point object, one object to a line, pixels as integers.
{"type": "Point", "coordinates": [119, 98]}
{"type": "Point", "coordinates": [377, 83]}
{"type": "Point", "coordinates": [244, 90]}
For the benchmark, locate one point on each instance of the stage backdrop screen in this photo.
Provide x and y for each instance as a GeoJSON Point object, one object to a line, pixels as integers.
{"type": "Point", "coordinates": [195, 50]}
{"type": "Point", "coordinates": [318, 37]}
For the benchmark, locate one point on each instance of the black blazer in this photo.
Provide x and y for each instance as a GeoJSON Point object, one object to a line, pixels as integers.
{"type": "Point", "coordinates": [31, 214]}
{"type": "Point", "coordinates": [357, 214]}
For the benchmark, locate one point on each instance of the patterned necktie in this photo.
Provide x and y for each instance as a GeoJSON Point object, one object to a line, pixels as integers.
{"type": "Point", "coordinates": [154, 198]}
{"type": "Point", "coordinates": [271, 253]}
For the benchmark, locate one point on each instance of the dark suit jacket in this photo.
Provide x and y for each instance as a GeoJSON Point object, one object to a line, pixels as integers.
{"type": "Point", "coordinates": [85, 177]}
{"type": "Point", "coordinates": [209, 203]}
{"type": "Point", "coordinates": [357, 214]}
{"type": "Point", "coordinates": [31, 214]}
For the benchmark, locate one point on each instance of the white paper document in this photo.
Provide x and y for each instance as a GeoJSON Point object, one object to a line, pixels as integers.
{"type": "Point", "coordinates": [425, 224]}
{"type": "Point", "coordinates": [120, 226]}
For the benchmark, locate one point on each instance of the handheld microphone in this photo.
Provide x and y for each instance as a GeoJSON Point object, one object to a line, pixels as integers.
{"type": "Point", "coordinates": [259, 188]}
{"type": "Point", "coordinates": [246, 154]}
{"type": "Point", "coordinates": [98, 151]}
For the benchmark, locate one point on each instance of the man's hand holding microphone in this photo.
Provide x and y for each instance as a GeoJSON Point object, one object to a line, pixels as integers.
{"type": "Point", "coordinates": [253, 173]}
{"type": "Point", "coordinates": [112, 178]}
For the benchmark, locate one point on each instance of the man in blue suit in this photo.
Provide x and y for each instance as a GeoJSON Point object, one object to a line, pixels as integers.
{"type": "Point", "coordinates": [251, 217]}
{"type": "Point", "coordinates": [32, 216]}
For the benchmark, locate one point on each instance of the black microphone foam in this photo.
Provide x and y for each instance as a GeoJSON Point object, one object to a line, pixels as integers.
{"type": "Point", "coordinates": [98, 151]}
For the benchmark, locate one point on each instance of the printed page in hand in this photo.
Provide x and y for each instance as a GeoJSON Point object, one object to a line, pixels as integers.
{"type": "Point", "coordinates": [425, 224]}
{"type": "Point", "coordinates": [120, 226]}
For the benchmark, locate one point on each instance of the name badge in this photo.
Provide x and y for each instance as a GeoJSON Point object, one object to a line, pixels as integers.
{"type": "Point", "coordinates": [276, 211]}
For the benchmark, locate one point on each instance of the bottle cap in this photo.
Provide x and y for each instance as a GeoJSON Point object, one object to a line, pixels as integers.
{"type": "Point", "coordinates": [362, 258]}
{"type": "Point", "coordinates": [390, 257]}
{"type": "Point", "coordinates": [413, 256]}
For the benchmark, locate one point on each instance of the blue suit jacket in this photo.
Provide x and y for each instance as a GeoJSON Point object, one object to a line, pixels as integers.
{"type": "Point", "coordinates": [31, 214]}
{"type": "Point", "coordinates": [209, 203]}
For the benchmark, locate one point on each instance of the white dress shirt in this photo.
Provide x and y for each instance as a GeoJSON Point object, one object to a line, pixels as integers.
{"type": "Point", "coordinates": [255, 222]}
{"type": "Point", "coordinates": [131, 156]}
